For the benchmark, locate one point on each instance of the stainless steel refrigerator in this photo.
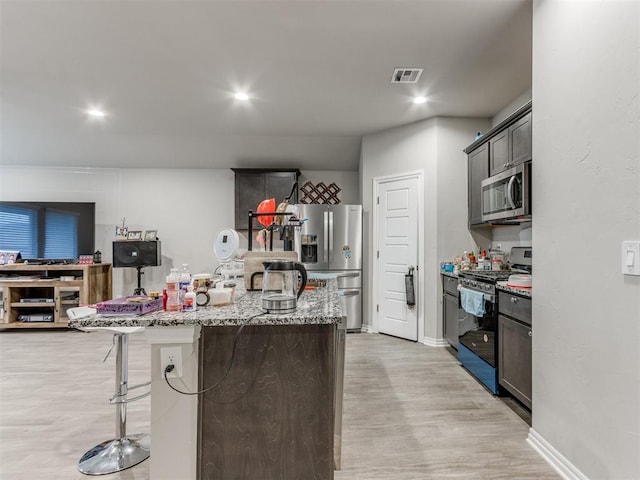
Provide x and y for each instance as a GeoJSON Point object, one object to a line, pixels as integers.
{"type": "Point", "coordinates": [330, 242]}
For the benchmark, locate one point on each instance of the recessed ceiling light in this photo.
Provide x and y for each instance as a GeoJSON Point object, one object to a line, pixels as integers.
{"type": "Point", "coordinates": [96, 113]}
{"type": "Point", "coordinates": [241, 96]}
{"type": "Point", "coordinates": [419, 100]}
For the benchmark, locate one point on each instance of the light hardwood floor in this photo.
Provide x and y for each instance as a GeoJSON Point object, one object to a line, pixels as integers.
{"type": "Point", "coordinates": [410, 411]}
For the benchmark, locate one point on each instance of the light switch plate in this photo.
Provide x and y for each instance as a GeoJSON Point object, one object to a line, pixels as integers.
{"type": "Point", "coordinates": [630, 259]}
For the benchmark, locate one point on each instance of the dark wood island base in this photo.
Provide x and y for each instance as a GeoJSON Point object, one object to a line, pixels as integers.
{"type": "Point", "coordinates": [273, 415]}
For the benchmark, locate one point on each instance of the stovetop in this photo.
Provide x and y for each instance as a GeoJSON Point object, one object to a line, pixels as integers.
{"type": "Point", "coordinates": [493, 276]}
{"type": "Point", "coordinates": [488, 276]}
{"type": "Point", "coordinates": [485, 280]}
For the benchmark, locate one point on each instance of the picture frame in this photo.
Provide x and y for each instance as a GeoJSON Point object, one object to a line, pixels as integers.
{"type": "Point", "coordinates": [150, 235]}
{"type": "Point", "coordinates": [134, 235]}
{"type": "Point", "coordinates": [121, 232]}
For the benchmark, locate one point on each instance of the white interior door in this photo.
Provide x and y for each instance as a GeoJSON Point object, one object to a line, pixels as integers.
{"type": "Point", "coordinates": [397, 240]}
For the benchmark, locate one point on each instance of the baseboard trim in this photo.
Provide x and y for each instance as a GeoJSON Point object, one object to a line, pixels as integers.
{"type": "Point", "coordinates": [367, 329]}
{"type": "Point", "coordinates": [553, 457]}
{"type": "Point", "coordinates": [434, 342]}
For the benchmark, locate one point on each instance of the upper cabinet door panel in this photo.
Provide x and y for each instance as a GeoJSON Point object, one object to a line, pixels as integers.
{"type": "Point", "coordinates": [478, 164]}
{"type": "Point", "coordinates": [499, 153]}
{"type": "Point", "coordinates": [252, 186]}
{"type": "Point", "coordinates": [250, 191]}
{"type": "Point", "coordinates": [520, 133]}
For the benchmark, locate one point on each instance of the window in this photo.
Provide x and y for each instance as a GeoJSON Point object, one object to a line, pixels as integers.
{"type": "Point", "coordinates": [57, 237]}
{"type": "Point", "coordinates": [19, 230]}
{"type": "Point", "coordinates": [61, 235]}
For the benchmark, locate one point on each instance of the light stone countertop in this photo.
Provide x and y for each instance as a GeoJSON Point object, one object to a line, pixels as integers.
{"type": "Point", "coordinates": [524, 292]}
{"type": "Point", "coordinates": [318, 306]}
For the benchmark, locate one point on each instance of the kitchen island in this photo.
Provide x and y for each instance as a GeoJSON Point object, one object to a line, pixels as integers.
{"type": "Point", "coordinates": [278, 412]}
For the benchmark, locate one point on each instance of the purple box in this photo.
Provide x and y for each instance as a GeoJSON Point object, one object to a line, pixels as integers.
{"type": "Point", "coordinates": [126, 306]}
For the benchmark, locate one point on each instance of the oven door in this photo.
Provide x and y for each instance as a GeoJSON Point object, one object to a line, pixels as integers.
{"type": "Point", "coordinates": [477, 332]}
{"type": "Point", "coordinates": [506, 195]}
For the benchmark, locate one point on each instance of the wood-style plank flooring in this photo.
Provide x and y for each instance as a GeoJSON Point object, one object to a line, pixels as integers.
{"type": "Point", "coordinates": [410, 411]}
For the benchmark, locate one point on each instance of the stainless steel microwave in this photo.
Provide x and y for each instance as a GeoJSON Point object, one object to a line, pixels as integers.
{"type": "Point", "coordinates": [506, 197]}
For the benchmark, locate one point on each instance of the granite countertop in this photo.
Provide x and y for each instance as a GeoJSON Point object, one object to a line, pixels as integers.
{"type": "Point", "coordinates": [317, 306]}
{"type": "Point", "coordinates": [524, 292]}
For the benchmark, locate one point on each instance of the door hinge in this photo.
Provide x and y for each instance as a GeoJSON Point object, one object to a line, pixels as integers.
{"type": "Point", "coordinates": [377, 308]}
{"type": "Point", "coordinates": [378, 200]}
{"type": "Point", "coordinates": [377, 253]}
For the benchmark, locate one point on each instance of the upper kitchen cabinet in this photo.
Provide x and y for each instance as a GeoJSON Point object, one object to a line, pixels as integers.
{"type": "Point", "coordinates": [505, 146]}
{"type": "Point", "coordinates": [253, 185]}
{"type": "Point", "coordinates": [510, 147]}
{"type": "Point", "coordinates": [478, 170]}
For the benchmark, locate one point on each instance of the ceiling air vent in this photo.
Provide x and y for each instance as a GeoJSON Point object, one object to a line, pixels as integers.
{"type": "Point", "coordinates": [406, 75]}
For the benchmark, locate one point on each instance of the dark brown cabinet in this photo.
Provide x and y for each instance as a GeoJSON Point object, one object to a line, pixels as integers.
{"type": "Point", "coordinates": [510, 147]}
{"type": "Point", "coordinates": [514, 346]}
{"type": "Point", "coordinates": [499, 152]}
{"type": "Point", "coordinates": [478, 170]}
{"type": "Point", "coordinates": [450, 310]}
{"type": "Point", "coordinates": [504, 146]}
{"type": "Point", "coordinates": [520, 134]}
{"type": "Point", "coordinates": [253, 185]}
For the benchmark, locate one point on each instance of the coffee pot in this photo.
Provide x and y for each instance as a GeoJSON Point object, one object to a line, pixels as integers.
{"type": "Point", "coordinates": [280, 286]}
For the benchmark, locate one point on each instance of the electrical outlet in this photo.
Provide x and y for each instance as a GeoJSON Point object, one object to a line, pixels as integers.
{"type": "Point", "coordinates": [171, 356]}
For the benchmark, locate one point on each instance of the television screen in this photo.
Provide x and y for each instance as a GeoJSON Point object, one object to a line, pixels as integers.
{"type": "Point", "coordinates": [48, 230]}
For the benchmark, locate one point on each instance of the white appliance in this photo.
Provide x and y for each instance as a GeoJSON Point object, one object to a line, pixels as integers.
{"type": "Point", "coordinates": [229, 247]}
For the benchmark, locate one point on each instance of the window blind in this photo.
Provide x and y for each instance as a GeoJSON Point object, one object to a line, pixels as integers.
{"type": "Point", "coordinates": [61, 235]}
{"type": "Point", "coordinates": [19, 230]}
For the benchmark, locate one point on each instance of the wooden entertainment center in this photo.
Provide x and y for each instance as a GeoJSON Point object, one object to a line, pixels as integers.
{"type": "Point", "coordinates": [38, 296]}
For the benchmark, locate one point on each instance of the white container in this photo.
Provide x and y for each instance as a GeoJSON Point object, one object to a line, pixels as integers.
{"type": "Point", "coordinates": [220, 296]}
{"type": "Point", "coordinates": [189, 304]}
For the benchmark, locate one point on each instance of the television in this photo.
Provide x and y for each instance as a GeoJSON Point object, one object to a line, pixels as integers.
{"type": "Point", "coordinates": [51, 231]}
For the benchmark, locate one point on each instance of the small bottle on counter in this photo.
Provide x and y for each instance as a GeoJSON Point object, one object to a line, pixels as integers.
{"type": "Point", "coordinates": [185, 281]}
{"type": "Point", "coordinates": [173, 291]}
{"type": "Point", "coordinates": [189, 304]}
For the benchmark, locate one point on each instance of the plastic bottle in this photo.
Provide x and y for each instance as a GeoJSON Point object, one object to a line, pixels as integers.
{"type": "Point", "coordinates": [173, 291]}
{"type": "Point", "coordinates": [465, 264]}
{"type": "Point", "coordinates": [189, 304]}
{"type": "Point", "coordinates": [185, 281]}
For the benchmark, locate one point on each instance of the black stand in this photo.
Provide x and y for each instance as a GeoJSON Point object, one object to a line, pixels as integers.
{"type": "Point", "coordinates": [139, 290]}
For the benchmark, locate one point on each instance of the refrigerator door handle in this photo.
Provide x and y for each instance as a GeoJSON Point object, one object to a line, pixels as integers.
{"type": "Point", "coordinates": [349, 275]}
{"type": "Point", "coordinates": [330, 232]}
{"type": "Point", "coordinates": [350, 293]}
{"type": "Point", "coordinates": [325, 243]}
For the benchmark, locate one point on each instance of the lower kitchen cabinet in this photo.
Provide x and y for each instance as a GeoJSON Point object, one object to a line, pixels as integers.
{"type": "Point", "coordinates": [450, 309]}
{"type": "Point", "coordinates": [514, 346]}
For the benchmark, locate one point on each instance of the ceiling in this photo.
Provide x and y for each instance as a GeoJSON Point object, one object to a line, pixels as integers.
{"type": "Point", "coordinates": [318, 73]}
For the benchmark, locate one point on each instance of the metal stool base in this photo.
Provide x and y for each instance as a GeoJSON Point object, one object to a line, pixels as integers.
{"type": "Point", "coordinates": [115, 455]}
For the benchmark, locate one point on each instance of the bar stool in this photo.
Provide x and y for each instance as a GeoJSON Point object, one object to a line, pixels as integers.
{"type": "Point", "coordinates": [124, 451]}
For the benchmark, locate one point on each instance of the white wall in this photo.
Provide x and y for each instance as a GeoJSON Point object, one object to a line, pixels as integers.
{"type": "Point", "coordinates": [586, 194]}
{"type": "Point", "coordinates": [514, 105]}
{"type": "Point", "coordinates": [435, 147]}
{"type": "Point", "coordinates": [187, 206]}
